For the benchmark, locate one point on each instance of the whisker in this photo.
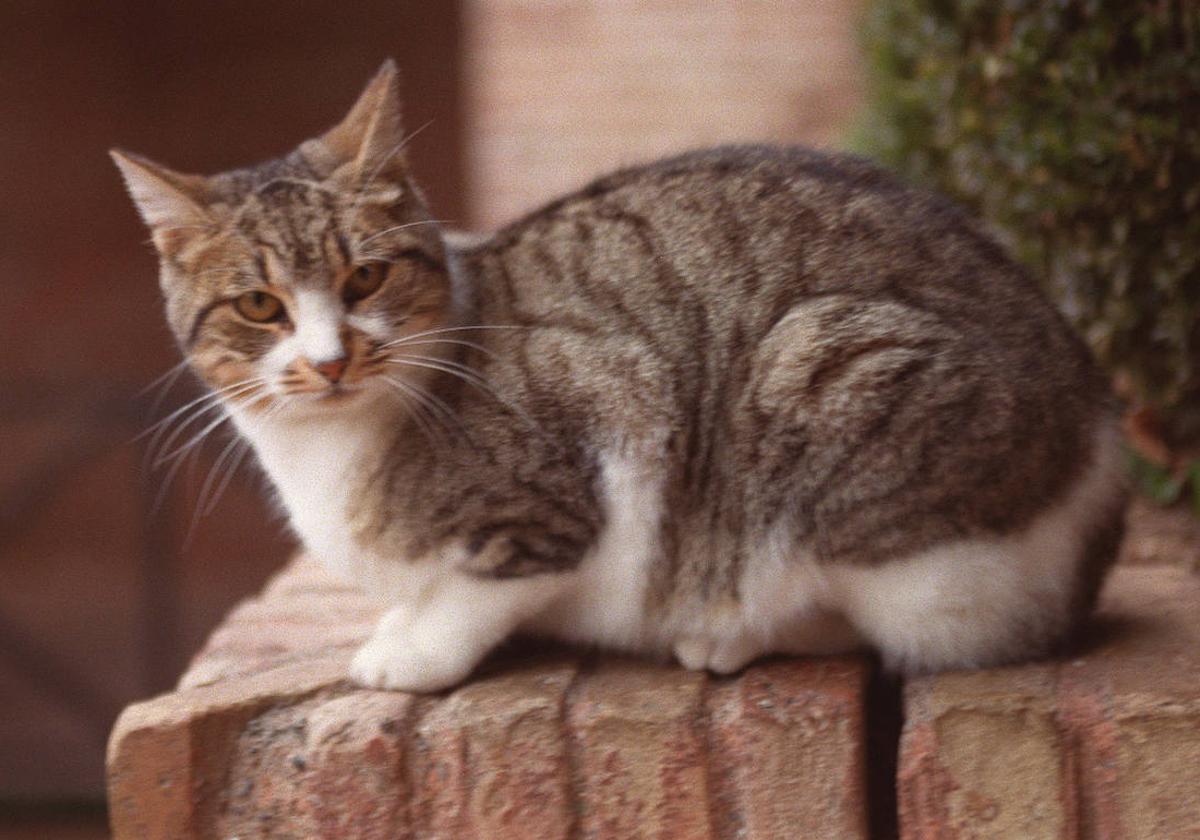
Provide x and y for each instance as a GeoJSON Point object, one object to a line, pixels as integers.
{"type": "Point", "coordinates": [192, 442]}
{"type": "Point", "coordinates": [360, 244]}
{"type": "Point", "coordinates": [436, 406]}
{"type": "Point", "coordinates": [178, 457]}
{"type": "Point", "coordinates": [471, 377]}
{"type": "Point", "coordinates": [238, 458]}
{"type": "Point", "coordinates": [204, 404]}
{"type": "Point", "coordinates": [455, 341]}
{"type": "Point", "coordinates": [421, 413]}
{"type": "Point", "coordinates": [449, 367]}
{"type": "Point", "coordinates": [171, 374]}
{"type": "Point", "coordinates": [395, 150]}
{"type": "Point", "coordinates": [188, 227]}
{"type": "Point", "coordinates": [163, 384]}
{"type": "Point", "coordinates": [210, 395]}
{"type": "Point", "coordinates": [166, 444]}
{"type": "Point", "coordinates": [202, 509]}
{"type": "Point", "coordinates": [443, 330]}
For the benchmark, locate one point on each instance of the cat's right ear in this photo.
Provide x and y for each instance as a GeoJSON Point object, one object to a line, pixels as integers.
{"type": "Point", "coordinates": [171, 204]}
{"type": "Point", "coordinates": [369, 141]}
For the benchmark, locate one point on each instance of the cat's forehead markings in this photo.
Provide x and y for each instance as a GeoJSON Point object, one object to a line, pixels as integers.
{"type": "Point", "coordinates": [291, 219]}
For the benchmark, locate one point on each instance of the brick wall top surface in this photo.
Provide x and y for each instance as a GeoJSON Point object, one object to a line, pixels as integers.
{"type": "Point", "coordinates": [265, 738]}
{"type": "Point", "coordinates": [1105, 745]}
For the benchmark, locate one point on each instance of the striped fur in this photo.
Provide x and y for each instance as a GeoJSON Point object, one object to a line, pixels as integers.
{"type": "Point", "coordinates": [702, 405]}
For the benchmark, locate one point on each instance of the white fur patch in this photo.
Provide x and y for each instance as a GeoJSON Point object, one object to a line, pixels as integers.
{"type": "Point", "coordinates": [318, 319]}
{"type": "Point", "coordinates": [606, 601]}
{"type": "Point", "coordinates": [971, 603]}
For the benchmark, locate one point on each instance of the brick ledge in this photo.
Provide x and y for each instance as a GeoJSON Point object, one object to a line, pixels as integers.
{"type": "Point", "coordinates": [265, 738]}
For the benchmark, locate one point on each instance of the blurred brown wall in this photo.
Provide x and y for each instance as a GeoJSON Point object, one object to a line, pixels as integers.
{"type": "Point", "coordinates": [560, 92]}
{"type": "Point", "coordinates": [102, 598]}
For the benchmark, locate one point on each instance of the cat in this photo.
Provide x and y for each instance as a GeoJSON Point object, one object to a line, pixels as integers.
{"type": "Point", "coordinates": [743, 401]}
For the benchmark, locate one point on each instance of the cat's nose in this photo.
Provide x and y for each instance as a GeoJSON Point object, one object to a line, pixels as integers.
{"type": "Point", "coordinates": [333, 368]}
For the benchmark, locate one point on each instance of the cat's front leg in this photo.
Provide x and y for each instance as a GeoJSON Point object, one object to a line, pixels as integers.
{"type": "Point", "coordinates": [437, 643]}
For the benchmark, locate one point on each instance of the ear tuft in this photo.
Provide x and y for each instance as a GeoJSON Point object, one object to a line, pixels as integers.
{"type": "Point", "coordinates": [164, 198]}
{"type": "Point", "coordinates": [370, 137]}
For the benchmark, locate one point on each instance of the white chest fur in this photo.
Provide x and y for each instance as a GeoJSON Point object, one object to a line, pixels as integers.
{"type": "Point", "coordinates": [313, 464]}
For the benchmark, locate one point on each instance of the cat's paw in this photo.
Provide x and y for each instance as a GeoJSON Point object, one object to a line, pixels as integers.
{"type": "Point", "coordinates": [721, 656]}
{"type": "Point", "coordinates": [731, 655]}
{"type": "Point", "coordinates": [401, 667]}
{"type": "Point", "coordinates": [692, 652]}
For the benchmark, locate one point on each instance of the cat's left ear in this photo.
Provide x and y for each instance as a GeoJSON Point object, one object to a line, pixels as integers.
{"type": "Point", "coordinates": [171, 204]}
{"type": "Point", "coordinates": [370, 138]}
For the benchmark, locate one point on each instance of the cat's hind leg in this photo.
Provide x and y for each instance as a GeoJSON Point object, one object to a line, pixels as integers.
{"type": "Point", "coordinates": [814, 633]}
{"type": "Point", "coordinates": [698, 652]}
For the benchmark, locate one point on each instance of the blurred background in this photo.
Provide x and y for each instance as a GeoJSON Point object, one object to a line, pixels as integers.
{"type": "Point", "coordinates": [1070, 127]}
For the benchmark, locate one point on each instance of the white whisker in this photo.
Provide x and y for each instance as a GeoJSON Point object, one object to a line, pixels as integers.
{"type": "Point", "coordinates": [421, 411]}
{"type": "Point", "coordinates": [456, 341]}
{"type": "Point", "coordinates": [360, 244]}
{"type": "Point", "coordinates": [203, 404]}
{"type": "Point", "coordinates": [170, 375]}
{"type": "Point", "coordinates": [443, 330]}
{"type": "Point", "coordinates": [166, 444]}
{"type": "Point", "coordinates": [202, 509]}
{"type": "Point", "coordinates": [471, 377]}
{"type": "Point", "coordinates": [370, 179]}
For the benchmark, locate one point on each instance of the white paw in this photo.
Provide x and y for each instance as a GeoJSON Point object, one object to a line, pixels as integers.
{"type": "Point", "coordinates": [403, 667]}
{"type": "Point", "coordinates": [732, 655]}
{"type": "Point", "coordinates": [693, 652]}
{"type": "Point", "coordinates": [725, 656]}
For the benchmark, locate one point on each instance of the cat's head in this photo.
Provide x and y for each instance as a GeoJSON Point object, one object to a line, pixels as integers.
{"type": "Point", "coordinates": [285, 283]}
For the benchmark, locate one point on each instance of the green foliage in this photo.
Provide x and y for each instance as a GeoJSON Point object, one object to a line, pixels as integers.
{"type": "Point", "coordinates": [1165, 486]}
{"type": "Point", "coordinates": [1073, 127]}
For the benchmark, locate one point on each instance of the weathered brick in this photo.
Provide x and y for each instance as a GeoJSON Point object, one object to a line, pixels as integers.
{"type": "Point", "coordinates": [640, 753]}
{"type": "Point", "coordinates": [169, 758]}
{"type": "Point", "coordinates": [266, 738]}
{"type": "Point", "coordinates": [355, 753]}
{"type": "Point", "coordinates": [491, 760]}
{"type": "Point", "coordinates": [787, 750]}
{"type": "Point", "coordinates": [1106, 745]}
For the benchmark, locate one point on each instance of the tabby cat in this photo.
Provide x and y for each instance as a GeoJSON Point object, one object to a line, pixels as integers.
{"type": "Point", "coordinates": [742, 401]}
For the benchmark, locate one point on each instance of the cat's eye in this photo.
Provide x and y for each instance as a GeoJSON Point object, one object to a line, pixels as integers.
{"type": "Point", "coordinates": [364, 281]}
{"type": "Point", "coordinates": [259, 307]}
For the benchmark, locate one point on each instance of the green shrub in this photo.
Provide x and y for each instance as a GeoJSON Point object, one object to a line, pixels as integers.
{"type": "Point", "coordinates": [1073, 127]}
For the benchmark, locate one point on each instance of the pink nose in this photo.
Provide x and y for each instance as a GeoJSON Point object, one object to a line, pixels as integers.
{"type": "Point", "coordinates": [333, 369]}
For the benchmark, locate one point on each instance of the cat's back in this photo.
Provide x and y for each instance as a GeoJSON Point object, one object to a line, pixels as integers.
{"type": "Point", "coordinates": [753, 230]}
{"type": "Point", "coordinates": [714, 249]}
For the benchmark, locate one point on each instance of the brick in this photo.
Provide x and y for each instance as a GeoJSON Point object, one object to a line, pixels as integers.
{"type": "Point", "coordinates": [1156, 534]}
{"type": "Point", "coordinates": [1105, 745]}
{"type": "Point", "coordinates": [356, 753]}
{"type": "Point", "coordinates": [640, 753]}
{"type": "Point", "coordinates": [788, 750]}
{"type": "Point", "coordinates": [491, 759]}
{"type": "Point", "coordinates": [304, 576]}
{"type": "Point", "coordinates": [268, 739]}
{"type": "Point", "coordinates": [303, 610]}
{"type": "Point", "coordinates": [169, 758]}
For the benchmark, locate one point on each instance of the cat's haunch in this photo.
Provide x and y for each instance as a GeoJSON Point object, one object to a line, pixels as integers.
{"type": "Point", "coordinates": [742, 401]}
